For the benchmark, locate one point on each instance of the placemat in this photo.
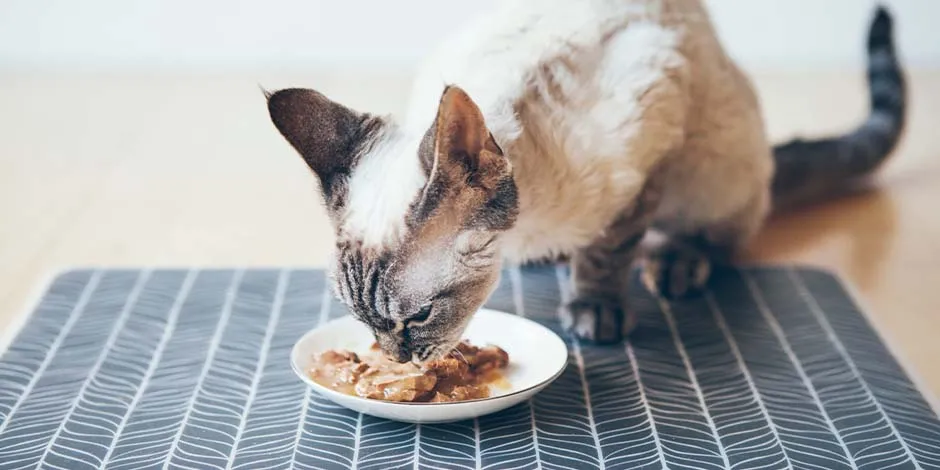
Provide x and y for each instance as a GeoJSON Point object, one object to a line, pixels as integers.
{"type": "Point", "coordinates": [772, 368]}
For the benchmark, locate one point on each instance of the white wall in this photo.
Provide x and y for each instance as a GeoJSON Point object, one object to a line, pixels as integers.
{"type": "Point", "coordinates": [302, 33]}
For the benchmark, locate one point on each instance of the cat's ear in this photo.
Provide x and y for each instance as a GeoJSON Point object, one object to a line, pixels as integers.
{"type": "Point", "coordinates": [463, 147]}
{"type": "Point", "coordinates": [327, 134]}
{"type": "Point", "coordinates": [466, 167]}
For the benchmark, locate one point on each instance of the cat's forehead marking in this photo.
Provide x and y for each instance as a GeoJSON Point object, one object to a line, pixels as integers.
{"type": "Point", "coordinates": [382, 187]}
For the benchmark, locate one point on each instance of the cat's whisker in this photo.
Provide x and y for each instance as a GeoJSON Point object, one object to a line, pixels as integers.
{"type": "Point", "coordinates": [456, 352]}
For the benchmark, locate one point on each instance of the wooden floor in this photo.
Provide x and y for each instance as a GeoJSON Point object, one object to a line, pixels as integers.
{"type": "Point", "coordinates": [187, 170]}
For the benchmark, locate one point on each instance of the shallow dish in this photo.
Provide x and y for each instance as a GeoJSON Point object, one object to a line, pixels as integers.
{"type": "Point", "coordinates": [537, 356]}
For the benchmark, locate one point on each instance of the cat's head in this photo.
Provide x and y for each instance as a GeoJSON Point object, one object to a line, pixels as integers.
{"type": "Point", "coordinates": [417, 213]}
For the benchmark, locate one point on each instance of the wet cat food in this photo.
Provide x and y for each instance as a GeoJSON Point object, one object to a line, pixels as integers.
{"type": "Point", "coordinates": [467, 373]}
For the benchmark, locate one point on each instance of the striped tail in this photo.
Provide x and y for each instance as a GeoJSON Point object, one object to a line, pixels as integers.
{"type": "Point", "coordinates": [809, 170]}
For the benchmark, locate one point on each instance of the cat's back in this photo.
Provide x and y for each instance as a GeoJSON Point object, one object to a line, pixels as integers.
{"type": "Point", "coordinates": [561, 84]}
{"type": "Point", "coordinates": [497, 57]}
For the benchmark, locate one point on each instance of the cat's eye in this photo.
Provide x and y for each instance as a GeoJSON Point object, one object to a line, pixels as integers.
{"type": "Point", "coordinates": [422, 315]}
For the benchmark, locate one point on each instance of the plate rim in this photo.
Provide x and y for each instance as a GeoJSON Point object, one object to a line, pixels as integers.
{"type": "Point", "coordinates": [371, 401]}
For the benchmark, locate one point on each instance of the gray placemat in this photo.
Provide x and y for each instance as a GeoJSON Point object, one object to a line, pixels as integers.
{"type": "Point", "coordinates": [773, 368]}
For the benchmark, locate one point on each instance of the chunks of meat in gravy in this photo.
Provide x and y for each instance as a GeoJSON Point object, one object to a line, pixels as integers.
{"type": "Point", "coordinates": [465, 374]}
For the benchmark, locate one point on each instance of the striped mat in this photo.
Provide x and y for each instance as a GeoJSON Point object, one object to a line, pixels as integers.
{"type": "Point", "coordinates": [773, 368]}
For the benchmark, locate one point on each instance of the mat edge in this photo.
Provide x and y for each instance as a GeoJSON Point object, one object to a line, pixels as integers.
{"type": "Point", "coordinates": [932, 399]}
{"type": "Point", "coordinates": [29, 305]}
{"type": "Point", "coordinates": [891, 344]}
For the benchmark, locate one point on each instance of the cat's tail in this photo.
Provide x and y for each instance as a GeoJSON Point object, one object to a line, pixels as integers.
{"type": "Point", "coordinates": [811, 169]}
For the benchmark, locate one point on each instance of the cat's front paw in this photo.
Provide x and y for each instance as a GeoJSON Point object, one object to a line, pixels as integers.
{"type": "Point", "coordinates": [676, 272]}
{"type": "Point", "coordinates": [597, 319]}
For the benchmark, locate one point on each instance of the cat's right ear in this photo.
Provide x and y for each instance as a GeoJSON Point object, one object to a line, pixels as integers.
{"type": "Point", "coordinates": [328, 135]}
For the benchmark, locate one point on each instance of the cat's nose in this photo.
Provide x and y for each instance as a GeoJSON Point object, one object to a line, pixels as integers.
{"type": "Point", "coordinates": [394, 349]}
{"type": "Point", "coordinates": [399, 353]}
{"type": "Point", "coordinates": [403, 355]}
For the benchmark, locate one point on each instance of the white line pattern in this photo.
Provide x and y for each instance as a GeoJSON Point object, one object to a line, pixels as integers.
{"type": "Point", "coordinates": [683, 425]}
{"type": "Point", "coordinates": [108, 345]}
{"type": "Point", "coordinates": [671, 321]}
{"type": "Point", "coordinates": [450, 445]}
{"type": "Point", "coordinates": [800, 422]}
{"type": "Point", "coordinates": [76, 312]}
{"type": "Point", "coordinates": [155, 359]}
{"type": "Point", "coordinates": [622, 428]}
{"type": "Point", "coordinates": [515, 280]}
{"type": "Point", "coordinates": [206, 365]}
{"type": "Point", "coordinates": [476, 444]}
{"type": "Point", "coordinates": [223, 395]}
{"type": "Point", "coordinates": [631, 357]}
{"type": "Point", "coordinates": [42, 413]}
{"type": "Point", "coordinates": [771, 369]}
{"type": "Point", "coordinates": [151, 426]}
{"type": "Point", "coordinates": [565, 297]}
{"type": "Point", "coordinates": [830, 333]}
{"type": "Point", "coordinates": [328, 432]}
{"type": "Point", "coordinates": [417, 447]}
{"type": "Point", "coordinates": [355, 457]}
{"type": "Point", "coordinates": [323, 316]}
{"type": "Point", "coordinates": [742, 428]}
{"type": "Point", "coordinates": [282, 281]}
{"type": "Point", "coordinates": [781, 337]}
{"type": "Point", "coordinates": [742, 366]}
{"type": "Point", "coordinates": [506, 439]}
{"type": "Point", "coordinates": [271, 423]}
{"type": "Point", "coordinates": [913, 416]}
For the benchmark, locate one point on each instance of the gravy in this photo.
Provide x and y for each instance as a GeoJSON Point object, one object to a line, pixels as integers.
{"type": "Point", "coordinates": [466, 374]}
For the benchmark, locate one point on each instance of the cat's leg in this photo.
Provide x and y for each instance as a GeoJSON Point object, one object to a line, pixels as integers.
{"type": "Point", "coordinates": [636, 128]}
{"type": "Point", "coordinates": [681, 264]}
{"type": "Point", "coordinates": [598, 310]}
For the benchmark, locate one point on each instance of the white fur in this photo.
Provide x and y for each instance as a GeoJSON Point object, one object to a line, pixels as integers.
{"type": "Point", "coordinates": [587, 97]}
{"type": "Point", "coordinates": [382, 187]}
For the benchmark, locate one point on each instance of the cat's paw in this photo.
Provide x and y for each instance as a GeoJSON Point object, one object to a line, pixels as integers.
{"type": "Point", "coordinates": [596, 319]}
{"type": "Point", "coordinates": [676, 272]}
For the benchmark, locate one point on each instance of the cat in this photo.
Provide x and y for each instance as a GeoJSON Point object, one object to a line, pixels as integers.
{"type": "Point", "coordinates": [571, 128]}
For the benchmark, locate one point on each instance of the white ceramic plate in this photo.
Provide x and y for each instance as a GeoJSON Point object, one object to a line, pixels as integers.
{"type": "Point", "coordinates": [537, 356]}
